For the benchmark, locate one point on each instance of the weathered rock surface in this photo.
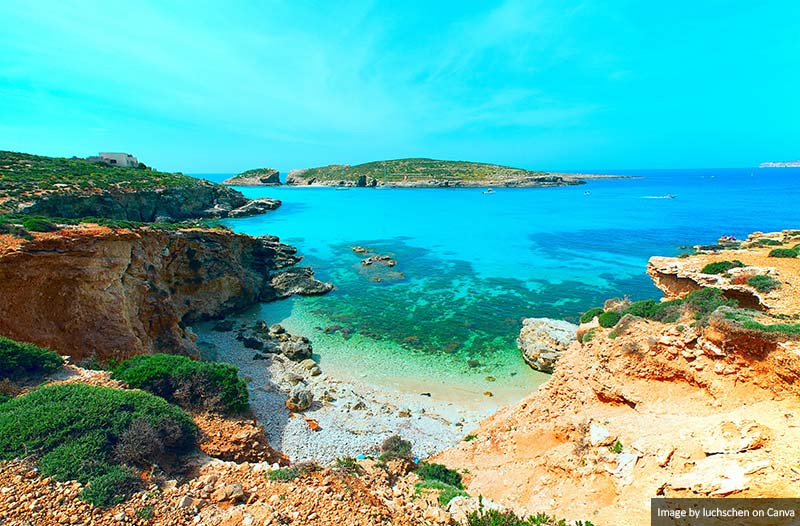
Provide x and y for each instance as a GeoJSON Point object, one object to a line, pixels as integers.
{"type": "Point", "coordinates": [674, 410]}
{"type": "Point", "coordinates": [274, 339]}
{"type": "Point", "coordinates": [258, 206]}
{"type": "Point", "coordinates": [299, 399]}
{"type": "Point", "coordinates": [297, 280]}
{"type": "Point", "coordinates": [257, 177]}
{"type": "Point", "coordinates": [102, 293]}
{"type": "Point", "coordinates": [543, 340]}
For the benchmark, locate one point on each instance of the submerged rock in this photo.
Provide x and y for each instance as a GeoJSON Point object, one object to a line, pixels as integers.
{"type": "Point", "coordinates": [542, 340]}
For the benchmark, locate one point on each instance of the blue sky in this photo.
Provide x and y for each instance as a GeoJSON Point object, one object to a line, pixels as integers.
{"type": "Point", "coordinates": [573, 85]}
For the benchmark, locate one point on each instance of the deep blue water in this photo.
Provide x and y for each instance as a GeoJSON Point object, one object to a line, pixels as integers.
{"type": "Point", "coordinates": [474, 265]}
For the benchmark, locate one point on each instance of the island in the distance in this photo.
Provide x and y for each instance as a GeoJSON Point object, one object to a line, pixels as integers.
{"type": "Point", "coordinates": [255, 177]}
{"type": "Point", "coordinates": [783, 164]}
{"type": "Point", "coordinates": [421, 173]}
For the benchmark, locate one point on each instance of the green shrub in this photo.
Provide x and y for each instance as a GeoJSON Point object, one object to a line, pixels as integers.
{"type": "Point", "coordinates": [719, 267]}
{"type": "Point", "coordinates": [609, 319]}
{"type": "Point", "coordinates": [589, 315]}
{"type": "Point", "coordinates": [745, 319]}
{"type": "Point", "coordinates": [784, 253]}
{"type": "Point", "coordinates": [189, 383]}
{"type": "Point", "coordinates": [395, 447]}
{"type": "Point", "coordinates": [283, 474]}
{"type": "Point", "coordinates": [348, 465]}
{"type": "Point", "coordinates": [766, 242]}
{"type": "Point", "coordinates": [643, 309]}
{"type": "Point", "coordinates": [4, 398]}
{"type": "Point", "coordinates": [509, 518]}
{"type": "Point", "coordinates": [145, 512]}
{"type": "Point", "coordinates": [446, 491]}
{"type": "Point", "coordinates": [20, 360]}
{"type": "Point", "coordinates": [110, 488]}
{"type": "Point", "coordinates": [431, 471]}
{"type": "Point", "coordinates": [587, 337]}
{"type": "Point", "coordinates": [764, 283]}
{"type": "Point", "coordinates": [705, 301]}
{"type": "Point", "coordinates": [75, 429]}
{"type": "Point", "coordinates": [38, 224]}
{"type": "Point", "coordinates": [470, 438]}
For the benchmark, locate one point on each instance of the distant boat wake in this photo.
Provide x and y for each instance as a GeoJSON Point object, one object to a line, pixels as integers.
{"type": "Point", "coordinates": [668, 196]}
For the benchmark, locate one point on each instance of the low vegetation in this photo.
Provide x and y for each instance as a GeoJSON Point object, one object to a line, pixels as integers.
{"type": "Point", "coordinates": [431, 471]}
{"type": "Point", "coordinates": [784, 253]}
{"type": "Point", "coordinates": [22, 174]}
{"type": "Point", "coordinates": [417, 169]}
{"type": "Point", "coordinates": [700, 303]}
{"type": "Point", "coordinates": [763, 283]}
{"type": "Point", "coordinates": [191, 384]}
{"type": "Point", "coordinates": [509, 518]}
{"type": "Point", "coordinates": [590, 314]}
{"type": "Point", "coordinates": [747, 320]}
{"type": "Point", "coordinates": [95, 435]}
{"type": "Point", "coordinates": [395, 447]}
{"type": "Point", "coordinates": [720, 267]}
{"type": "Point", "coordinates": [22, 360]}
{"type": "Point", "coordinates": [283, 474]}
{"type": "Point", "coordinates": [446, 491]}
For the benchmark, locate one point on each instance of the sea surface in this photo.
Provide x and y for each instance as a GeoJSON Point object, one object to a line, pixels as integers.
{"type": "Point", "coordinates": [471, 266]}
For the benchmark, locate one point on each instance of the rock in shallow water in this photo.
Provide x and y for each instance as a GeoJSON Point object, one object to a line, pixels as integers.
{"type": "Point", "coordinates": [542, 340]}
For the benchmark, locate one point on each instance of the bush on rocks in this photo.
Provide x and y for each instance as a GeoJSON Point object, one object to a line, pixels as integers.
{"type": "Point", "coordinates": [719, 267]}
{"type": "Point", "coordinates": [589, 315]}
{"type": "Point", "coordinates": [763, 283]}
{"type": "Point", "coordinates": [608, 319]}
{"type": "Point", "coordinates": [189, 383]}
{"type": "Point", "coordinates": [431, 471]}
{"type": "Point", "coordinates": [784, 253]}
{"type": "Point", "coordinates": [77, 430]}
{"type": "Point", "coordinates": [395, 447]}
{"type": "Point", "coordinates": [20, 360]}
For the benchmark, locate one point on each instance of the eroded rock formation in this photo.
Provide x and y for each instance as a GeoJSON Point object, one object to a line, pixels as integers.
{"type": "Point", "coordinates": [542, 341]}
{"type": "Point", "coordinates": [648, 409]}
{"type": "Point", "coordinates": [102, 293]}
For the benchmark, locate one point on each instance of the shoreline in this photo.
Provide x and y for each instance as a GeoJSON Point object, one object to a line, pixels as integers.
{"type": "Point", "coordinates": [354, 415]}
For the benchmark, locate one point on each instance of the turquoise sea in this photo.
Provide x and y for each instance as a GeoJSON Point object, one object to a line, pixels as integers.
{"type": "Point", "coordinates": [471, 266]}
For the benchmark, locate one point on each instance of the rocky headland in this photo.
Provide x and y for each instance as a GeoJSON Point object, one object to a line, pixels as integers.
{"type": "Point", "coordinates": [694, 396]}
{"type": "Point", "coordinates": [255, 177]}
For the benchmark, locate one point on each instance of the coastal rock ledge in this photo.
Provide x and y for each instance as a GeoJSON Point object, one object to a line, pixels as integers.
{"type": "Point", "coordinates": [542, 341]}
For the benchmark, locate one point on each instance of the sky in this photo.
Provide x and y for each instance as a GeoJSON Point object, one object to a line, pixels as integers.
{"type": "Point", "coordinates": [220, 87]}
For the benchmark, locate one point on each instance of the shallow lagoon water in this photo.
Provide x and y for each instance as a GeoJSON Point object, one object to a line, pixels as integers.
{"type": "Point", "coordinates": [473, 265]}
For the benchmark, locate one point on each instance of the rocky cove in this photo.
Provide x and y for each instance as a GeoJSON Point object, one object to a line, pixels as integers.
{"type": "Point", "coordinates": [684, 397]}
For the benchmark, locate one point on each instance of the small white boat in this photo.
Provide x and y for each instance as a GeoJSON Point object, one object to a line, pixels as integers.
{"type": "Point", "coordinates": [488, 191]}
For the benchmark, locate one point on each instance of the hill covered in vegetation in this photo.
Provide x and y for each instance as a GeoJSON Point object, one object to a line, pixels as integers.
{"type": "Point", "coordinates": [75, 188]}
{"type": "Point", "coordinates": [419, 172]}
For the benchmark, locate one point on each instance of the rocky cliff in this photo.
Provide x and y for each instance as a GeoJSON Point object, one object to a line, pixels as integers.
{"type": "Point", "coordinates": [256, 177]}
{"type": "Point", "coordinates": [702, 406]}
{"type": "Point", "coordinates": [94, 292]}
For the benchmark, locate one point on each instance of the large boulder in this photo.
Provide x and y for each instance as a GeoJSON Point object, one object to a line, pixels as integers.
{"type": "Point", "coordinates": [297, 280]}
{"type": "Point", "coordinates": [542, 340]}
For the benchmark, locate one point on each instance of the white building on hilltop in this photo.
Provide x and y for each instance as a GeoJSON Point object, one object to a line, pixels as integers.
{"type": "Point", "coordinates": [124, 160]}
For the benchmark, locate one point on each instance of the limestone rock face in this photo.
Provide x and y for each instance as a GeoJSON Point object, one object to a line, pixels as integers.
{"type": "Point", "coordinates": [256, 206]}
{"type": "Point", "coordinates": [298, 280]}
{"type": "Point", "coordinates": [543, 340]}
{"type": "Point", "coordinates": [257, 177]}
{"type": "Point", "coordinates": [103, 293]}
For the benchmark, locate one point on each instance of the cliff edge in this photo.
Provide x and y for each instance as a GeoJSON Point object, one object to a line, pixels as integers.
{"type": "Point", "coordinates": [702, 403]}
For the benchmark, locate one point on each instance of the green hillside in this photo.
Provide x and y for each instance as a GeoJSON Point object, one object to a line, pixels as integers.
{"type": "Point", "coordinates": [22, 174]}
{"type": "Point", "coordinates": [405, 170]}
